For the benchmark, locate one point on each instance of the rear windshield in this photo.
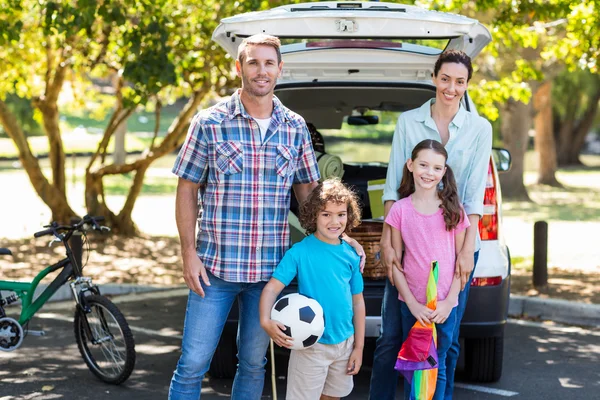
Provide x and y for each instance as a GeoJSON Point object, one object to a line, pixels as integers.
{"type": "Point", "coordinates": [359, 144]}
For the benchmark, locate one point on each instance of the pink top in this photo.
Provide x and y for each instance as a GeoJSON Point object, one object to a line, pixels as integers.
{"type": "Point", "coordinates": [425, 239]}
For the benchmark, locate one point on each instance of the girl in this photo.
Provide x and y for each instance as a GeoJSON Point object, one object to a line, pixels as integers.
{"type": "Point", "coordinates": [328, 271]}
{"type": "Point", "coordinates": [428, 224]}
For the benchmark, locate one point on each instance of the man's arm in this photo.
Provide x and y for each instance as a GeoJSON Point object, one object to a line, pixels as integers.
{"type": "Point", "coordinates": [186, 216]}
{"type": "Point", "coordinates": [302, 190]}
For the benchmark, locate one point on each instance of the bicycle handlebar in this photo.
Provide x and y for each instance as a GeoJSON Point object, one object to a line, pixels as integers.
{"type": "Point", "coordinates": [43, 233]}
{"type": "Point", "coordinates": [80, 226]}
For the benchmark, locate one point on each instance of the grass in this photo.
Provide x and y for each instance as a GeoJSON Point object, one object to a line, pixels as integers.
{"type": "Point", "coordinates": [76, 142]}
{"type": "Point", "coordinates": [577, 200]}
{"type": "Point", "coordinates": [140, 121]}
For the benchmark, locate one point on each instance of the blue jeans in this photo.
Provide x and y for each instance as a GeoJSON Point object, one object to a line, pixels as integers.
{"type": "Point", "coordinates": [454, 351]}
{"type": "Point", "coordinates": [384, 378]}
{"type": "Point", "coordinates": [445, 334]}
{"type": "Point", "coordinates": [204, 322]}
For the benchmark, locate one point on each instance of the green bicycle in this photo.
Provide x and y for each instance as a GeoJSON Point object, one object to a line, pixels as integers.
{"type": "Point", "coordinates": [101, 331]}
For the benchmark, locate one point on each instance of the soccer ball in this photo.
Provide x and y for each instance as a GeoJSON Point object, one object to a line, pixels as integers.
{"type": "Point", "coordinates": [302, 317]}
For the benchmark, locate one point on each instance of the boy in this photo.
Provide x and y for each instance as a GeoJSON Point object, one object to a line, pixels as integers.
{"type": "Point", "coordinates": [328, 271]}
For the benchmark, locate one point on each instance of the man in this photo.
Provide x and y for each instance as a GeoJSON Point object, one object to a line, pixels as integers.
{"type": "Point", "coordinates": [244, 155]}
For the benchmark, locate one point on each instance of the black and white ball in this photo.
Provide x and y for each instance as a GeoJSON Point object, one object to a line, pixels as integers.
{"type": "Point", "coordinates": [302, 317]}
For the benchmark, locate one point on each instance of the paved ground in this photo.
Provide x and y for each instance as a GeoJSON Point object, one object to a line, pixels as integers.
{"type": "Point", "coordinates": [541, 361]}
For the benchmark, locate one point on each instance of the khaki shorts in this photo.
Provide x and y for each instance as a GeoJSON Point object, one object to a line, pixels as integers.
{"type": "Point", "coordinates": [320, 369]}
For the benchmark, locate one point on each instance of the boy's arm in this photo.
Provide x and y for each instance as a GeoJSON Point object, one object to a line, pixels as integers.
{"type": "Point", "coordinates": [418, 310]}
{"type": "Point", "coordinates": [444, 307]}
{"type": "Point", "coordinates": [359, 318]}
{"type": "Point", "coordinates": [273, 328]}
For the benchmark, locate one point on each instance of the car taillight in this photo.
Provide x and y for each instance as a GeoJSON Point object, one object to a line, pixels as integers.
{"type": "Point", "coordinates": [489, 281]}
{"type": "Point", "coordinates": [488, 224]}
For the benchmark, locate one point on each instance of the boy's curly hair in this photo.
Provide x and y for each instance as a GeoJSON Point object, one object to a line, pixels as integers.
{"type": "Point", "coordinates": [329, 190]}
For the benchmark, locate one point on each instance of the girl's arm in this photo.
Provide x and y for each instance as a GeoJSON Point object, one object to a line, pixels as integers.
{"type": "Point", "coordinates": [358, 308]}
{"type": "Point", "coordinates": [273, 328]}
{"type": "Point", "coordinates": [444, 307]}
{"type": "Point", "coordinates": [418, 310]}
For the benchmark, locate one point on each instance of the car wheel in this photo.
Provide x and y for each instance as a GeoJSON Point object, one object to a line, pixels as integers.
{"type": "Point", "coordinates": [483, 357]}
{"type": "Point", "coordinates": [224, 361]}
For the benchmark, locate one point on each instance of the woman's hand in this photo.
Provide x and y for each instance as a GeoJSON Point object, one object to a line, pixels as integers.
{"type": "Point", "coordinates": [275, 330]}
{"type": "Point", "coordinates": [443, 309]}
{"type": "Point", "coordinates": [421, 312]}
{"type": "Point", "coordinates": [389, 260]}
{"type": "Point", "coordinates": [358, 248]}
{"type": "Point", "coordinates": [465, 262]}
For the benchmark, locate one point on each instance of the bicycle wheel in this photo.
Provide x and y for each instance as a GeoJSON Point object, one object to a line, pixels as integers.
{"type": "Point", "coordinates": [107, 347]}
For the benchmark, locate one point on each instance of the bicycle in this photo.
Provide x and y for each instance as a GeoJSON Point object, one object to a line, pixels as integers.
{"type": "Point", "coordinates": [101, 331]}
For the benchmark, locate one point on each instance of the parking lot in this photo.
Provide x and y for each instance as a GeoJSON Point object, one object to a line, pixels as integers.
{"type": "Point", "coordinates": [541, 361]}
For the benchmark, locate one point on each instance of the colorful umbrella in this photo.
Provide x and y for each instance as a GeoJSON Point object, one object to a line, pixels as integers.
{"type": "Point", "coordinates": [418, 359]}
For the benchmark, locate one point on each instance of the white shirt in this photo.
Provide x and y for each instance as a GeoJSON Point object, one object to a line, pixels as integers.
{"type": "Point", "coordinates": [264, 126]}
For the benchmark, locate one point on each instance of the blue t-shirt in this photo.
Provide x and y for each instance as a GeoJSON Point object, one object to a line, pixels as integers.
{"type": "Point", "coordinates": [330, 274]}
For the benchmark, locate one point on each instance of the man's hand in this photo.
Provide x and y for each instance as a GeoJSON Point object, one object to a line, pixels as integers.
{"type": "Point", "coordinates": [275, 330]}
{"type": "Point", "coordinates": [192, 269]}
{"type": "Point", "coordinates": [388, 258]}
{"type": "Point", "coordinates": [443, 309]}
{"type": "Point", "coordinates": [354, 362]}
{"type": "Point", "coordinates": [465, 263]}
{"type": "Point", "coordinates": [358, 248]}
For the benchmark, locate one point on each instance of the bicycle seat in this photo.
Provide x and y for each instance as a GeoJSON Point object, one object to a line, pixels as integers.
{"type": "Point", "coordinates": [5, 252]}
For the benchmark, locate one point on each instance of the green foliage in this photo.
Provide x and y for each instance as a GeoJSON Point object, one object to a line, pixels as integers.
{"type": "Point", "coordinates": [532, 41]}
{"type": "Point", "coordinates": [24, 113]}
{"type": "Point", "coordinates": [575, 89]}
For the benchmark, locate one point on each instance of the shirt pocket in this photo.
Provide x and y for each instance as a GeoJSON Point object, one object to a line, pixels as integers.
{"type": "Point", "coordinates": [230, 157]}
{"type": "Point", "coordinates": [285, 162]}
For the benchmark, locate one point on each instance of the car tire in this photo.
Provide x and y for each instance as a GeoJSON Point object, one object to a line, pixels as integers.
{"type": "Point", "coordinates": [224, 361]}
{"type": "Point", "coordinates": [483, 358]}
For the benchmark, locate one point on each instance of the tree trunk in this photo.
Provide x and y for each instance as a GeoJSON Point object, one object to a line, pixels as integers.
{"type": "Point", "coordinates": [55, 144]}
{"type": "Point", "coordinates": [54, 198]}
{"type": "Point", "coordinates": [516, 121]}
{"type": "Point", "coordinates": [545, 145]}
{"type": "Point", "coordinates": [564, 130]}
{"type": "Point", "coordinates": [119, 153]}
{"type": "Point", "coordinates": [583, 128]}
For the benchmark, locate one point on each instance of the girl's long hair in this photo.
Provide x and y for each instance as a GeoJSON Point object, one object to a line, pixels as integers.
{"type": "Point", "coordinates": [448, 194]}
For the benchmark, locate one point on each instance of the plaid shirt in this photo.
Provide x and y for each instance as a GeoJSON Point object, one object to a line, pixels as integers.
{"type": "Point", "coordinates": [246, 198]}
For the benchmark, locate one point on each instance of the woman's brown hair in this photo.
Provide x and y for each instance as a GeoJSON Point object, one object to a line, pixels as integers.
{"type": "Point", "coordinates": [454, 56]}
{"type": "Point", "coordinates": [329, 190]}
{"type": "Point", "coordinates": [448, 193]}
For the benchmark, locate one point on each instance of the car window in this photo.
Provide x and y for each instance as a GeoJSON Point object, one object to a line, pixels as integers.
{"type": "Point", "coordinates": [357, 144]}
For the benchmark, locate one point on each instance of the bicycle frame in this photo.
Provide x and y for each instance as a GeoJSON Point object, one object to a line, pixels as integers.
{"type": "Point", "coordinates": [26, 290]}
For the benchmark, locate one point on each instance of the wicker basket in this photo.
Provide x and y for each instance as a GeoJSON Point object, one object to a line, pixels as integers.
{"type": "Point", "coordinates": [368, 234]}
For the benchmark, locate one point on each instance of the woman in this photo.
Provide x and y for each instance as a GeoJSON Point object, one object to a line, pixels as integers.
{"type": "Point", "coordinates": [467, 138]}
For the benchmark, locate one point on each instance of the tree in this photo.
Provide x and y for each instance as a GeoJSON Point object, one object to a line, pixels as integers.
{"type": "Point", "coordinates": [574, 115]}
{"type": "Point", "coordinates": [159, 50]}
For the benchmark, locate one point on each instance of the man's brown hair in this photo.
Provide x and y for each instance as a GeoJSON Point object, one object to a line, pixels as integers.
{"type": "Point", "coordinates": [257, 40]}
{"type": "Point", "coordinates": [330, 190]}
